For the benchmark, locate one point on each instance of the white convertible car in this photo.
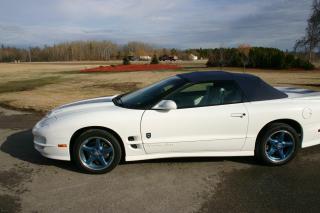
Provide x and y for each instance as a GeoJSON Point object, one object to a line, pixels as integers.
{"type": "Point", "coordinates": [195, 114]}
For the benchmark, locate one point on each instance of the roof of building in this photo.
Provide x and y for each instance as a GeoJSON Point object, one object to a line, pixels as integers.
{"type": "Point", "coordinates": [253, 87]}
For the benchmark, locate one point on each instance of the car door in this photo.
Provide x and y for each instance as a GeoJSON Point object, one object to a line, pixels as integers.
{"type": "Point", "coordinates": [210, 117]}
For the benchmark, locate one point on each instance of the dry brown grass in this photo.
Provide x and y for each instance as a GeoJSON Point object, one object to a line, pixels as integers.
{"type": "Point", "coordinates": [42, 86]}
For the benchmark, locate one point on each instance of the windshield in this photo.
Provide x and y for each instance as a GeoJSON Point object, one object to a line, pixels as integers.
{"type": "Point", "coordinates": [147, 97]}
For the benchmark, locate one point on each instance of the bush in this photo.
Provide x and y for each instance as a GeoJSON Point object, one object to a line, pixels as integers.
{"type": "Point", "coordinates": [267, 58]}
{"type": "Point", "coordinates": [308, 66]}
{"type": "Point", "coordinates": [125, 61]}
{"type": "Point", "coordinates": [301, 63]}
{"type": "Point", "coordinates": [154, 60]}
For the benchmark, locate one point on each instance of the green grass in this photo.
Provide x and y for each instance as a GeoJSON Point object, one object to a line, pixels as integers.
{"type": "Point", "coordinates": [27, 85]}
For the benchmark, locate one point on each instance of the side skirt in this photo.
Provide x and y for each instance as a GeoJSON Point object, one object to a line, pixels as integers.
{"type": "Point", "coordinates": [181, 155]}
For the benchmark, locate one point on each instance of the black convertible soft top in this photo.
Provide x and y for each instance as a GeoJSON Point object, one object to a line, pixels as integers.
{"type": "Point", "coordinates": [254, 88]}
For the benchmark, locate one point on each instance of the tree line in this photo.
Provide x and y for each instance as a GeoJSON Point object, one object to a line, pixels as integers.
{"type": "Point", "coordinates": [84, 50]}
{"type": "Point", "coordinates": [242, 56]}
{"type": "Point", "coordinates": [254, 57]}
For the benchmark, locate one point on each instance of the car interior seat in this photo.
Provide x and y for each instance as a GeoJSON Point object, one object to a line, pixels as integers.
{"type": "Point", "coordinates": [213, 96]}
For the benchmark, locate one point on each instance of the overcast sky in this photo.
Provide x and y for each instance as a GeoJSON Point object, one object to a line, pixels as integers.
{"type": "Point", "coordinates": [168, 23]}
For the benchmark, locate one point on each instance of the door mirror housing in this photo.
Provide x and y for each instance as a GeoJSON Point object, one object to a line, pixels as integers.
{"type": "Point", "coordinates": [165, 105]}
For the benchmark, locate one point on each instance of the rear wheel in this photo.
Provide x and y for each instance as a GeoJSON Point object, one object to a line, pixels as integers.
{"type": "Point", "coordinates": [277, 145]}
{"type": "Point", "coordinates": [96, 151]}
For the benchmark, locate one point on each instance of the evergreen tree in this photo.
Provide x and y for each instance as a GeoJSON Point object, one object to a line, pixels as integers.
{"type": "Point", "coordinates": [126, 61]}
{"type": "Point", "coordinates": [154, 59]}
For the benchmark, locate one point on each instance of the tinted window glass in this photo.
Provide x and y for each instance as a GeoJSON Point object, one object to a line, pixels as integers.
{"type": "Point", "coordinates": [207, 94]}
{"type": "Point", "coordinates": [230, 92]}
{"type": "Point", "coordinates": [149, 96]}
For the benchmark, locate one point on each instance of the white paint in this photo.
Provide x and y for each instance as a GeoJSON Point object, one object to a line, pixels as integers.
{"type": "Point", "coordinates": [203, 131]}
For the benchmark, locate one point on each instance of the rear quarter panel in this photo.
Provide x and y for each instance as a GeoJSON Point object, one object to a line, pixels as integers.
{"type": "Point", "coordinates": [305, 112]}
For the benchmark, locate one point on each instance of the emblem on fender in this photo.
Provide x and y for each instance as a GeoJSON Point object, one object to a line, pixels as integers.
{"type": "Point", "coordinates": [148, 135]}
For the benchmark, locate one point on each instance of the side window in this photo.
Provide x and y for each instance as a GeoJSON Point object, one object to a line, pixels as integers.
{"type": "Point", "coordinates": [229, 93]}
{"type": "Point", "coordinates": [192, 96]}
{"type": "Point", "coordinates": [207, 94]}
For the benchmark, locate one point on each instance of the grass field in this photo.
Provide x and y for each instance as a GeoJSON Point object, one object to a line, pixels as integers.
{"type": "Point", "coordinates": [42, 86]}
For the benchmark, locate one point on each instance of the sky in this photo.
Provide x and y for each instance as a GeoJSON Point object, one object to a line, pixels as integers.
{"type": "Point", "coordinates": [163, 23]}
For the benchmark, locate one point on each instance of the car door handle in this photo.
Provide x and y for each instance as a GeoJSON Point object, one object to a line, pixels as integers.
{"type": "Point", "coordinates": [239, 115]}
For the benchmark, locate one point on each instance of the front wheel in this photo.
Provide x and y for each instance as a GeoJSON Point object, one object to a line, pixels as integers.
{"type": "Point", "coordinates": [96, 151]}
{"type": "Point", "coordinates": [277, 145]}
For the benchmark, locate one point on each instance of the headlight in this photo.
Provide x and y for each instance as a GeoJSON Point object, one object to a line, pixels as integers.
{"type": "Point", "coordinates": [46, 121]}
{"type": "Point", "coordinates": [39, 139]}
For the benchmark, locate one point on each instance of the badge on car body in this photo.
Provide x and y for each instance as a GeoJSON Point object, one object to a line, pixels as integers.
{"type": "Point", "coordinates": [148, 135]}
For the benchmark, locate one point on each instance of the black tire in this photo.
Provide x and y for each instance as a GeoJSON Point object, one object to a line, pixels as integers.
{"type": "Point", "coordinates": [92, 133]}
{"type": "Point", "coordinates": [262, 144]}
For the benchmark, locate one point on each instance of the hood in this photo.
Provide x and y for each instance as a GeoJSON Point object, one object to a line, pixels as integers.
{"type": "Point", "coordinates": [82, 106]}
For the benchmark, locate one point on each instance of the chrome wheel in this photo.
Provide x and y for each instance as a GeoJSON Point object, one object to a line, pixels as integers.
{"type": "Point", "coordinates": [96, 153]}
{"type": "Point", "coordinates": [280, 146]}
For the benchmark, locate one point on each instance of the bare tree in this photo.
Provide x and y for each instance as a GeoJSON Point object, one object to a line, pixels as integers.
{"type": "Point", "coordinates": [244, 50]}
{"type": "Point", "coordinates": [312, 38]}
{"type": "Point", "coordinates": [221, 57]}
{"type": "Point", "coordinates": [29, 54]}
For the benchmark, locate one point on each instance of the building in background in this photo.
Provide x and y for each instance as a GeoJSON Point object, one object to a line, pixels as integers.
{"type": "Point", "coordinates": [145, 58]}
{"type": "Point", "coordinates": [193, 57]}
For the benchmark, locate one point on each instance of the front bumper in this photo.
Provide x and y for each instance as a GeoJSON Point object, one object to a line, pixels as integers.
{"type": "Point", "coordinates": [47, 142]}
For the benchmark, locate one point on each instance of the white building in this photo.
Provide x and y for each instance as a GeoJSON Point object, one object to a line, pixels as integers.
{"type": "Point", "coordinates": [145, 58]}
{"type": "Point", "coordinates": [193, 57]}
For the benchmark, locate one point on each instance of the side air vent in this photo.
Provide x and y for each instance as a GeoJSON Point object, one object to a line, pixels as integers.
{"type": "Point", "coordinates": [134, 146]}
{"type": "Point", "coordinates": [130, 138]}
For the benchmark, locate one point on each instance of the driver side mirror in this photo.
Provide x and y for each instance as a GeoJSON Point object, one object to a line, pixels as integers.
{"type": "Point", "coordinates": [165, 105]}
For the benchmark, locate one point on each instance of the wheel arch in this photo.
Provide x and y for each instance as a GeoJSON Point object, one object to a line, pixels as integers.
{"type": "Point", "coordinates": [77, 133]}
{"type": "Point", "coordinates": [293, 123]}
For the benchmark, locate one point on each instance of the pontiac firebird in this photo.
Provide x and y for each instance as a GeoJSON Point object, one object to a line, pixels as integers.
{"type": "Point", "coordinates": [198, 114]}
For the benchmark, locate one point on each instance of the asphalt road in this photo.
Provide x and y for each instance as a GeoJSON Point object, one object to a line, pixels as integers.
{"type": "Point", "coordinates": [31, 183]}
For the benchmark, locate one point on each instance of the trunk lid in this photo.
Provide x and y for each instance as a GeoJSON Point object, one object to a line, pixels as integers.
{"type": "Point", "coordinates": [300, 93]}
